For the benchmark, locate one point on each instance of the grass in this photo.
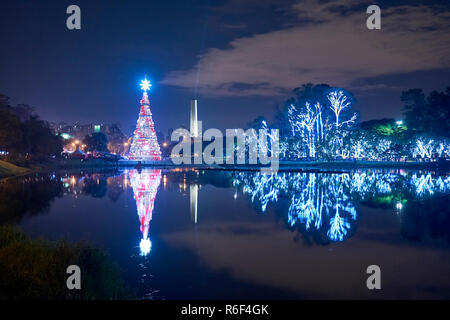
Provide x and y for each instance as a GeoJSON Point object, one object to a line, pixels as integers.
{"type": "Point", "coordinates": [36, 269]}
{"type": "Point", "coordinates": [9, 169]}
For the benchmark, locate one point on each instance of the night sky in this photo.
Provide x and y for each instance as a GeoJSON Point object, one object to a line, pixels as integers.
{"type": "Point", "coordinates": [240, 58]}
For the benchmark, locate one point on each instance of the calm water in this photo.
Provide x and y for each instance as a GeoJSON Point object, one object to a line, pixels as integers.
{"type": "Point", "coordinates": [218, 234]}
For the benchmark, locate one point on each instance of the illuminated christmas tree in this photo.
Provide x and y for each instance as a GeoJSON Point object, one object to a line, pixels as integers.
{"type": "Point", "coordinates": [145, 144]}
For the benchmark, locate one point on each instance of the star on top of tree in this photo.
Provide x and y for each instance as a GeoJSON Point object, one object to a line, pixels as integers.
{"type": "Point", "coordinates": [145, 84]}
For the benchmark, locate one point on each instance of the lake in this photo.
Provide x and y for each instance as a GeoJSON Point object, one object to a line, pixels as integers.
{"type": "Point", "coordinates": [193, 234]}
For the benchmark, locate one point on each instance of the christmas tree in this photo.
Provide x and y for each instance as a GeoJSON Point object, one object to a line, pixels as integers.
{"type": "Point", "coordinates": [145, 144]}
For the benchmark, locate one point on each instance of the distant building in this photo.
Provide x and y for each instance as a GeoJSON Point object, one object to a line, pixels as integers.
{"type": "Point", "coordinates": [79, 131]}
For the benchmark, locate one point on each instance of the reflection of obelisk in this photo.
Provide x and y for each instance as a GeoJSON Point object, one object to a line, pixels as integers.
{"type": "Point", "coordinates": [145, 186]}
{"type": "Point", "coordinates": [193, 196]}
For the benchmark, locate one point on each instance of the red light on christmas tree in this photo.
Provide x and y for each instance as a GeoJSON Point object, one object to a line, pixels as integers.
{"type": "Point", "coordinates": [145, 144]}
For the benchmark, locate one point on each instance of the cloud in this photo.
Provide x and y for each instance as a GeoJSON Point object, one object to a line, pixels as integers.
{"type": "Point", "coordinates": [329, 43]}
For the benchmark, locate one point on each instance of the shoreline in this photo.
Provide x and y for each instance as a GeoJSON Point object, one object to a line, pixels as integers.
{"type": "Point", "coordinates": [8, 170]}
{"type": "Point", "coordinates": [318, 166]}
{"type": "Point", "coordinates": [283, 165]}
{"type": "Point", "coordinates": [299, 165]}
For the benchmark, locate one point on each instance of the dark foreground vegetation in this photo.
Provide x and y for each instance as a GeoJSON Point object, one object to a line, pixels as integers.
{"type": "Point", "coordinates": [36, 269]}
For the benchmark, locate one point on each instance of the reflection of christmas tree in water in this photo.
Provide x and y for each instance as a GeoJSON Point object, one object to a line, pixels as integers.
{"type": "Point", "coordinates": [145, 144]}
{"type": "Point", "coordinates": [145, 186]}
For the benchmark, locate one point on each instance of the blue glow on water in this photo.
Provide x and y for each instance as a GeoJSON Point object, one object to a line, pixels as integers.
{"type": "Point", "coordinates": [318, 200]}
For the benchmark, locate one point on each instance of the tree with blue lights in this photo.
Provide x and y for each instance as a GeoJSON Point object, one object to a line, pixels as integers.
{"type": "Point", "coordinates": [319, 118]}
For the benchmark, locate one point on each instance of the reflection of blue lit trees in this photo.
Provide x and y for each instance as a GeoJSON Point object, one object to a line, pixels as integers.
{"type": "Point", "coordinates": [265, 188]}
{"type": "Point", "coordinates": [344, 210]}
{"type": "Point", "coordinates": [317, 201]}
{"type": "Point", "coordinates": [324, 203]}
{"type": "Point", "coordinates": [426, 184]}
{"type": "Point", "coordinates": [308, 206]}
{"type": "Point", "coordinates": [322, 197]}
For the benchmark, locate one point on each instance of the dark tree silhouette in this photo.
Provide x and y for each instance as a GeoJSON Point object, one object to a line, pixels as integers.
{"type": "Point", "coordinates": [96, 141]}
{"type": "Point", "coordinates": [427, 114]}
{"type": "Point", "coordinates": [39, 140]}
